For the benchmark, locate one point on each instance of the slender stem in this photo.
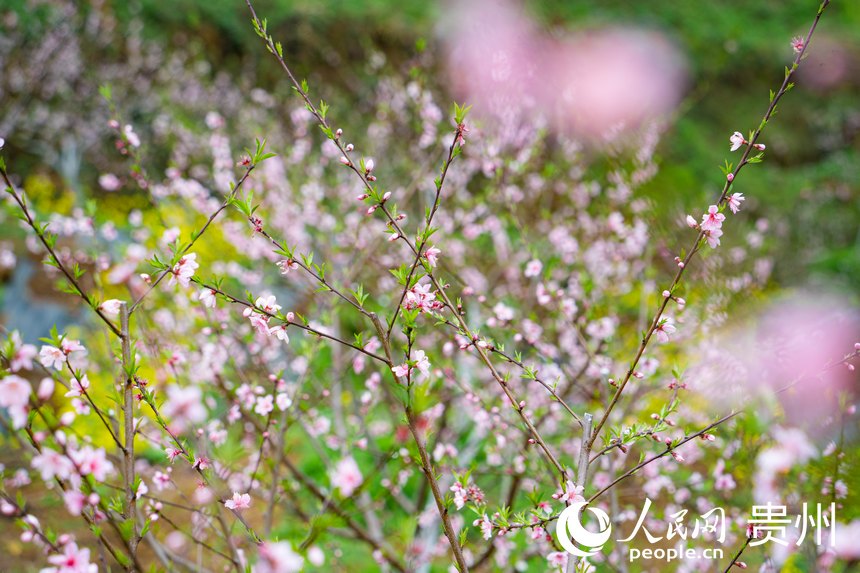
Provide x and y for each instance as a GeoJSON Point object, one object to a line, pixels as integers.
{"type": "Point", "coordinates": [128, 434]}
{"type": "Point", "coordinates": [738, 555]}
{"type": "Point", "coordinates": [783, 89]}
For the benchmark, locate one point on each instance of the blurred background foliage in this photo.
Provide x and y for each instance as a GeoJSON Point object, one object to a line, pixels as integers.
{"type": "Point", "coordinates": [808, 185]}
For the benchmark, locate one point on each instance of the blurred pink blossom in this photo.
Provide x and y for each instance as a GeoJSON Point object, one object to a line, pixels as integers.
{"type": "Point", "coordinates": [588, 83]}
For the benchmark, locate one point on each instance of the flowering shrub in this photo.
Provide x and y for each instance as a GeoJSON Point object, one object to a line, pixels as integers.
{"type": "Point", "coordinates": [405, 343]}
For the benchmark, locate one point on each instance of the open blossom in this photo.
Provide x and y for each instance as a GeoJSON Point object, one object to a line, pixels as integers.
{"type": "Point", "coordinates": [240, 501]}
{"type": "Point", "coordinates": [14, 391]}
{"type": "Point", "coordinates": [78, 387]}
{"type": "Point", "coordinates": [51, 464]}
{"type": "Point", "coordinates": [572, 495]}
{"type": "Point", "coordinates": [71, 560]}
{"type": "Point", "coordinates": [207, 297]}
{"type": "Point", "coordinates": [422, 363]}
{"type": "Point", "coordinates": [111, 306]}
{"type": "Point", "coordinates": [52, 357]}
{"type": "Point", "coordinates": [713, 219]}
{"type": "Point", "coordinates": [265, 405]}
{"type": "Point", "coordinates": [287, 265]}
{"type": "Point", "coordinates": [92, 461]}
{"type": "Point", "coordinates": [131, 136]}
{"type": "Point", "coordinates": [278, 558]}
{"type": "Point", "coordinates": [797, 44]}
{"type": "Point", "coordinates": [432, 255]}
{"type": "Point", "coordinates": [665, 327]}
{"type": "Point", "coordinates": [557, 558]}
{"type": "Point", "coordinates": [183, 271]}
{"type": "Point", "coordinates": [734, 201]}
{"type": "Point", "coordinates": [172, 453]}
{"type": "Point", "coordinates": [533, 268]}
{"type": "Point", "coordinates": [713, 237]}
{"type": "Point", "coordinates": [419, 297]}
{"type": "Point", "coordinates": [346, 476]}
{"type": "Point", "coordinates": [22, 354]}
{"type": "Point", "coordinates": [737, 140]}
{"type": "Point", "coordinates": [280, 332]}
{"type": "Point", "coordinates": [486, 526]}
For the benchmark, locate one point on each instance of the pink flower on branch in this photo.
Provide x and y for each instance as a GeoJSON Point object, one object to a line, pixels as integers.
{"type": "Point", "coordinates": [183, 271]}
{"type": "Point", "coordinates": [713, 219]}
{"type": "Point", "coordinates": [734, 201]}
{"type": "Point", "coordinates": [239, 501]}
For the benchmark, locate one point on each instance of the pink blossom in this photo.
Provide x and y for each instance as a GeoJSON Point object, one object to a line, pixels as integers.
{"type": "Point", "coordinates": [432, 255]}
{"type": "Point", "coordinates": [111, 306]}
{"type": "Point", "coordinates": [737, 140]}
{"type": "Point", "coordinates": [533, 268]}
{"type": "Point", "coordinates": [664, 328]}
{"type": "Point", "coordinates": [422, 363]}
{"type": "Point", "coordinates": [14, 391]}
{"type": "Point", "coordinates": [240, 501]}
{"type": "Point", "coordinates": [734, 201]}
{"type": "Point", "coordinates": [486, 526]}
{"type": "Point", "coordinates": [287, 265]}
{"type": "Point", "coordinates": [172, 453]}
{"type": "Point", "coordinates": [283, 402]}
{"type": "Point", "coordinates": [401, 371]}
{"type": "Point", "coordinates": [78, 387]}
{"type": "Point", "coordinates": [52, 357]}
{"type": "Point", "coordinates": [184, 405]}
{"type": "Point", "coordinates": [265, 405]}
{"type": "Point", "coordinates": [22, 354]}
{"type": "Point", "coordinates": [557, 558]}
{"type": "Point", "coordinates": [691, 222]}
{"type": "Point", "coordinates": [183, 271]}
{"type": "Point", "coordinates": [713, 237]}
{"type": "Point", "coordinates": [161, 480]}
{"type": "Point", "coordinates": [573, 493]}
{"type": "Point", "coordinates": [92, 461]}
{"type": "Point", "coordinates": [46, 389]}
{"type": "Point", "coordinates": [346, 476]}
{"type": "Point", "coordinates": [51, 464]}
{"type": "Point", "coordinates": [278, 558]}
{"type": "Point", "coordinates": [419, 297]}
{"type": "Point", "coordinates": [70, 346]}
{"type": "Point", "coordinates": [797, 44]}
{"type": "Point", "coordinates": [75, 501]}
{"type": "Point", "coordinates": [202, 463]}
{"type": "Point", "coordinates": [71, 560]}
{"type": "Point", "coordinates": [207, 297]}
{"type": "Point", "coordinates": [713, 219]}
{"type": "Point", "coordinates": [131, 136]}
{"type": "Point", "coordinates": [280, 332]}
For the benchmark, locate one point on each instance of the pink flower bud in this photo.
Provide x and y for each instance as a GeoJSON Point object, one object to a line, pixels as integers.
{"type": "Point", "coordinates": [345, 161]}
{"type": "Point", "coordinates": [349, 147]}
{"type": "Point", "coordinates": [730, 177]}
{"type": "Point", "coordinates": [338, 133]}
{"type": "Point", "coordinates": [369, 165]}
{"type": "Point", "coordinates": [666, 294]}
{"type": "Point", "coordinates": [393, 237]}
{"type": "Point", "coordinates": [691, 222]}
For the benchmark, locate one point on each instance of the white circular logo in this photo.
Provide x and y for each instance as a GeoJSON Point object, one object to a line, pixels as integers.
{"type": "Point", "coordinates": [570, 527]}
